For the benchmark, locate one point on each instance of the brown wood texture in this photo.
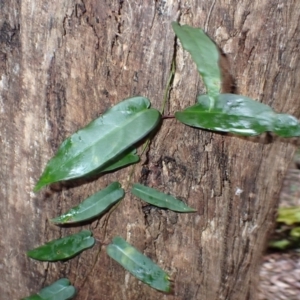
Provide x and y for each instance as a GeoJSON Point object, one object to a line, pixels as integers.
{"type": "Point", "coordinates": [62, 63]}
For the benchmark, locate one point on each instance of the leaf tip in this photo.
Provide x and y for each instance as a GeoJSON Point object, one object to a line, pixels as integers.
{"type": "Point", "coordinates": [56, 221]}
{"type": "Point", "coordinates": [37, 187]}
{"type": "Point", "coordinates": [40, 184]}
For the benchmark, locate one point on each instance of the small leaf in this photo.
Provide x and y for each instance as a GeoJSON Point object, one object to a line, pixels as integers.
{"type": "Point", "coordinates": [93, 206]}
{"type": "Point", "coordinates": [289, 215]}
{"type": "Point", "coordinates": [204, 53]}
{"type": "Point", "coordinates": [159, 199]}
{"type": "Point", "coordinates": [138, 264]}
{"type": "Point", "coordinates": [59, 290]}
{"type": "Point", "coordinates": [295, 232]}
{"type": "Point", "coordinates": [63, 248]}
{"type": "Point", "coordinates": [129, 159]}
{"type": "Point", "coordinates": [100, 142]}
{"type": "Point", "coordinates": [282, 244]}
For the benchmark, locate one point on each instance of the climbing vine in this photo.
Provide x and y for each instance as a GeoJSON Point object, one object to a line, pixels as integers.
{"type": "Point", "coordinates": [109, 143]}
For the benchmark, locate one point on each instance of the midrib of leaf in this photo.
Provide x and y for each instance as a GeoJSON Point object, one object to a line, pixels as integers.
{"type": "Point", "coordinates": [212, 89]}
{"type": "Point", "coordinates": [116, 128]}
{"type": "Point", "coordinates": [175, 205]}
{"type": "Point", "coordinates": [53, 294]}
{"type": "Point", "coordinates": [210, 113]}
{"type": "Point", "coordinates": [147, 194]}
{"type": "Point", "coordinates": [128, 256]}
{"type": "Point", "coordinates": [96, 202]}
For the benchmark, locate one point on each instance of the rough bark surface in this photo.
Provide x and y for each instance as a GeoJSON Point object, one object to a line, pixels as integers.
{"type": "Point", "coordinates": [62, 63]}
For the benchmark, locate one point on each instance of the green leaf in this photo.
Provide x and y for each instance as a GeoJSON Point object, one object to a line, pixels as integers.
{"type": "Point", "coordinates": [33, 297]}
{"type": "Point", "coordinates": [289, 215]}
{"type": "Point", "coordinates": [138, 264]}
{"type": "Point", "coordinates": [159, 199]}
{"type": "Point", "coordinates": [282, 244]}
{"type": "Point", "coordinates": [295, 232]}
{"type": "Point", "coordinates": [59, 290]}
{"type": "Point", "coordinates": [286, 125]}
{"type": "Point", "coordinates": [63, 248]}
{"type": "Point", "coordinates": [93, 206]}
{"type": "Point", "coordinates": [204, 53]}
{"type": "Point", "coordinates": [238, 114]}
{"type": "Point", "coordinates": [99, 143]}
{"type": "Point", "coordinates": [128, 159]}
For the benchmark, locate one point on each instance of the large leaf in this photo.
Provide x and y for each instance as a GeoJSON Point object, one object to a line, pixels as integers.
{"type": "Point", "coordinates": [238, 114]}
{"type": "Point", "coordinates": [159, 199]}
{"type": "Point", "coordinates": [93, 206]}
{"type": "Point", "coordinates": [63, 248]}
{"type": "Point", "coordinates": [59, 290]}
{"type": "Point", "coordinates": [100, 142]}
{"type": "Point", "coordinates": [138, 264]}
{"type": "Point", "coordinates": [204, 53]}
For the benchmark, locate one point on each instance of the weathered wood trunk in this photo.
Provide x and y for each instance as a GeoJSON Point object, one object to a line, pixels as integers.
{"type": "Point", "coordinates": [62, 63]}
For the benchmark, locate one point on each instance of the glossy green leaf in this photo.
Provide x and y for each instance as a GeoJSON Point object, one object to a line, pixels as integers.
{"type": "Point", "coordinates": [100, 142]}
{"type": "Point", "coordinates": [286, 125]}
{"type": "Point", "coordinates": [93, 206]}
{"type": "Point", "coordinates": [59, 290]}
{"type": "Point", "coordinates": [125, 160]}
{"type": "Point", "coordinates": [63, 248]}
{"type": "Point", "coordinates": [204, 53]}
{"type": "Point", "coordinates": [237, 114]}
{"type": "Point", "coordinates": [138, 264]}
{"type": "Point", "coordinates": [159, 199]}
{"type": "Point", "coordinates": [289, 215]}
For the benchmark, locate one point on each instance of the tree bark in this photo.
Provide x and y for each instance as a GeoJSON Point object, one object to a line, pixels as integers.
{"type": "Point", "coordinates": [63, 63]}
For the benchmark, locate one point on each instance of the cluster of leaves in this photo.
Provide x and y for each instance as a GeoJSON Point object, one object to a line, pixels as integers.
{"type": "Point", "coordinates": [287, 233]}
{"type": "Point", "coordinates": [232, 113]}
{"type": "Point", "coordinates": [108, 143]}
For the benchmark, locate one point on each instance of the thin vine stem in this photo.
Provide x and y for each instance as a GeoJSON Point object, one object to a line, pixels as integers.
{"type": "Point", "coordinates": [129, 181]}
{"type": "Point", "coordinates": [147, 143]}
{"type": "Point", "coordinates": [168, 117]}
{"type": "Point", "coordinates": [168, 86]}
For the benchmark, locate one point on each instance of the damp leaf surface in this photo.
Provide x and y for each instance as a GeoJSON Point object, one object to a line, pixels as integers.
{"type": "Point", "coordinates": [129, 158]}
{"type": "Point", "coordinates": [97, 145]}
{"type": "Point", "coordinates": [159, 199]}
{"type": "Point", "coordinates": [138, 264]}
{"type": "Point", "coordinates": [239, 115]}
{"type": "Point", "coordinates": [64, 248]}
{"type": "Point", "coordinates": [204, 53]}
{"type": "Point", "coordinates": [94, 206]}
{"type": "Point", "coordinates": [59, 290]}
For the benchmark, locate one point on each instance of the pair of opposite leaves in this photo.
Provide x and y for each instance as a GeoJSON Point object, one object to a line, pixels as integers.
{"type": "Point", "coordinates": [93, 207]}
{"type": "Point", "coordinates": [130, 258]}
